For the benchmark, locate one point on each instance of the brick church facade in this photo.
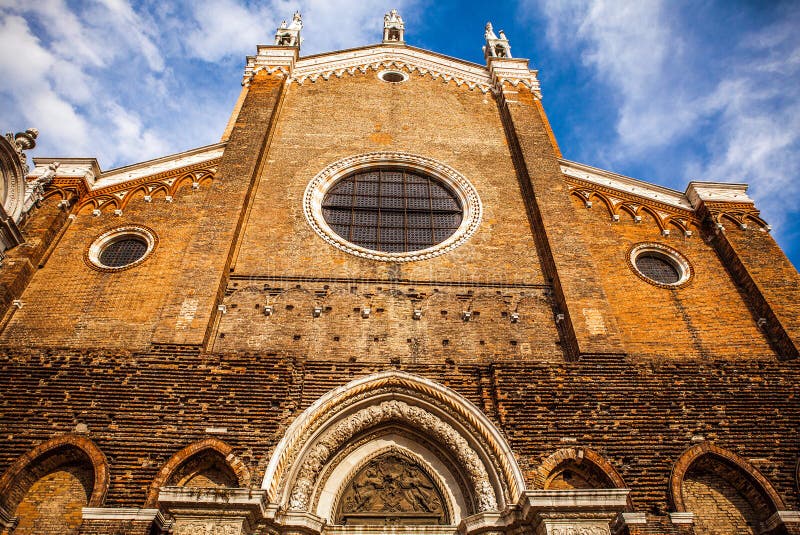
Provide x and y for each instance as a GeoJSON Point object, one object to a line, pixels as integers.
{"type": "Point", "coordinates": [384, 303]}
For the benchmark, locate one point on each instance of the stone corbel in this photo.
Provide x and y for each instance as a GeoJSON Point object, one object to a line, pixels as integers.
{"type": "Point", "coordinates": [624, 521]}
{"type": "Point", "coordinates": [222, 511]}
{"type": "Point", "coordinates": [486, 523]}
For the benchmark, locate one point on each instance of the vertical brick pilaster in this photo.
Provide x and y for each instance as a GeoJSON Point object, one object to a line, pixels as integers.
{"type": "Point", "coordinates": [757, 264]}
{"type": "Point", "coordinates": [588, 326]}
{"type": "Point", "coordinates": [21, 262]}
{"type": "Point", "coordinates": [210, 252]}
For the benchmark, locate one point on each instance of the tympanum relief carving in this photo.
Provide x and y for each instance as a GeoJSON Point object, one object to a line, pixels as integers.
{"type": "Point", "coordinates": [391, 489]}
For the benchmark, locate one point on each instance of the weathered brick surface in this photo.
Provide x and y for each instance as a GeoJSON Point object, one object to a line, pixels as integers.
{"type": "Point", "coordinates": [709, 317]}
{"type": "Point", "coordinates": [772, 283]}
{"type": "Point", "coordinates": [341, 332]}
{"type": "Point", "coordinates": [142, 408]}
{"type": "Point", "coordinates": [321, 123]}
{"type": "Point", "coordinates": [719, 508]}
{"type": "Point", "coordinates": [52, 506]}
{"type": "Point", "coordinates": [40, 229]}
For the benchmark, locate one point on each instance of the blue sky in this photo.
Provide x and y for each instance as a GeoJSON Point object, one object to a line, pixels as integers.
{"type": "Point", "coordinates": [664, 91]}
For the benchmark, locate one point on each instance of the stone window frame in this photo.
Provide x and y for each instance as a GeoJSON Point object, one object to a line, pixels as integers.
{"type": "Point", "coordinates": [676, 259]}
{"type": "Point", "coordinates": [465, 192]}
{"type": "Point", "coordinates": [100, 242]}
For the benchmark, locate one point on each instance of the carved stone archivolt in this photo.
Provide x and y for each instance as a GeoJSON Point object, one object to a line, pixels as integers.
{"type": "Point", "coordinates": [475, 452]}
{"type": "Point", "coordinates": [391, 488]}
{"type": "Point", "coordinates": [393, 410]}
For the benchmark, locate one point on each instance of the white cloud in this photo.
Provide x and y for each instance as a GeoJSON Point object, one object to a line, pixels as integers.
{"type": "Point", "coordinates": [740, 109]}
{"type": "Point", "coordinates": [219, 28]}
{"type": "Point", "coordinates": [104, 78]}
{"type": "Point", "coordinates": [62, 79]}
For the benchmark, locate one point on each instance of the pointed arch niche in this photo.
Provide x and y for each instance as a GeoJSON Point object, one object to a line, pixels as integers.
{"type": "Point", "coordinates": [392, 448]}
{"type": "Point", "coordinates": [725, 492]}
{"type": "Point", "coordinates": [44, 491]}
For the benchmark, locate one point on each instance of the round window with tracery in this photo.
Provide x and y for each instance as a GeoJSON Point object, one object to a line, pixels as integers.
{"type": "Point", "coordinates": [121, 248]}
{"type": "Point", "coordinates": [660, 265]}
{"type": "Point", "coordinates": [392, 210]}
{"type": "Point", "coordinates": [392, 206]}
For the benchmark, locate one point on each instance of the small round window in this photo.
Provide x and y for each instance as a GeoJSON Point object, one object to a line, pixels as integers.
{"type": "Point", "coordinates": [121, 248]}
{"type": "Point", "coordinates": [392, 210]}
{"type": "Point", "coordinates": [660, 265]}
{"type": "Point", "coordinates": [123, 252]}
{"type": "Point", "coordinates": [394, 77]}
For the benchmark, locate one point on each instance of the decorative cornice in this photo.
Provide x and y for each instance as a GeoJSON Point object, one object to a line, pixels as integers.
{"type": "Point", "coordinates": [124, 513]}
{"type": "Point", "coordinates": [88, 171]}
{"type": "Point", "coordinates": [703, 192]}
{"type": "Point", "coordinates": [625, 185]}
{"type": "Point", "coordinates": [83, 178]}
{"type": "Point", "coordinates": [397, 56]}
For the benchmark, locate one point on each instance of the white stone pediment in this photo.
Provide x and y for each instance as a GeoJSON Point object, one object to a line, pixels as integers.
{"type": "Point", "coordinates": [382, 56]}
{"type": "Point", "coordinates": [379, 56]}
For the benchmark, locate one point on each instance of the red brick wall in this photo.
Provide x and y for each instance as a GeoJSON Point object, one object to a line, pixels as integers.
{"type": "Point", "coordinates": [641, 416]}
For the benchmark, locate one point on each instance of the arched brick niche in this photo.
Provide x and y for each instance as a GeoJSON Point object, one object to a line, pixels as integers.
{"type": "Point", "coordinates": [209, 463]}
{"type": "Point", "coordinates": [725, 492]}
{"type": "Point", "coordinates": [577, 468]}
{"type": "Point", "coordinates": [47, 487]}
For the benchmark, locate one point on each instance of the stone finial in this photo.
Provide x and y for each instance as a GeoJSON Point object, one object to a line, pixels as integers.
{"type": "Point", "coordinates": [289, 35]}
{"type": "Point", "coordinates": [26, 140]}
{"type": "Point", "coordinates": [393, 27]}
{"type": "Point", "coordinates": [496, 47]}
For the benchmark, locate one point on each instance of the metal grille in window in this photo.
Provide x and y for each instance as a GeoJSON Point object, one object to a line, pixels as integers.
{"type": "Point", "coordinates": [123, 252]}
{"type": "Point", "coordinates": [392, 210]}
{"type": "Point", "coordinates": [657, 268]}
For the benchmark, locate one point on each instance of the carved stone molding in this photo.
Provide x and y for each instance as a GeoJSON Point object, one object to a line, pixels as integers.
{"type": "Point", "coordinates": [361, 60]}
{"type": "Point", "coordinates": [393, 410]}
{"type": "Point", "coordinates": [289, 458]}
{"type": "Point", "coordinates": [213, 511]}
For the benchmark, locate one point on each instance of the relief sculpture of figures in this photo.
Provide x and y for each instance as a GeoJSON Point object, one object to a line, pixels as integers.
{"type": "Point", "coordinates": [391, 487]}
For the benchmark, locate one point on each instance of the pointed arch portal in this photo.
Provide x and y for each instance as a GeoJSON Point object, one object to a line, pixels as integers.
{"type": "Point", "coordinates": [449, 451]}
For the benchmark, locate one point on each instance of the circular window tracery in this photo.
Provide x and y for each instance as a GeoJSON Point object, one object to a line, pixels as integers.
{"type": "Point", "coordinates": [392, 206]}
{"type": "Point", "coordinates": [121, 248]}
{"type": "Point", "coordinates": [392, 210]}
{"type": "Point", "coordinates": [660, 265]}
{"type": "Point", "coordinates": [123, 252]}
